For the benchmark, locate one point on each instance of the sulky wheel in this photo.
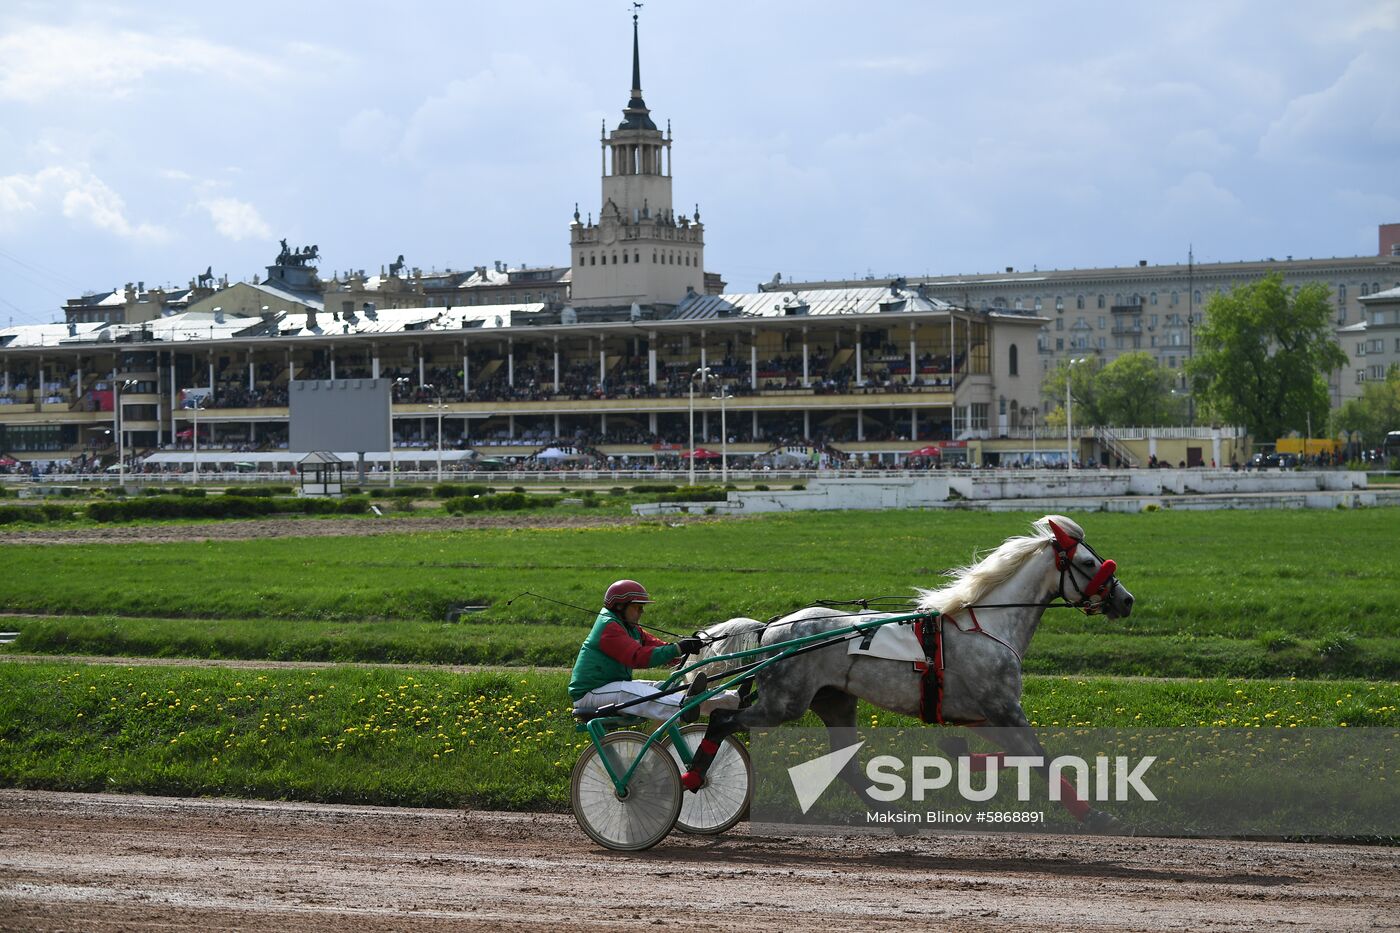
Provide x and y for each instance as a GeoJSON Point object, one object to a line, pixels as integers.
{"type": "Point", "coordinates": [724, 797]}
{"type": "Point", "coordinates": [641, 817]}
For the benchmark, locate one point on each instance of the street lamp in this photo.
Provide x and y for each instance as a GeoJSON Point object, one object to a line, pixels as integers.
{"type": "Point", "coordinates": [439, 407]}
{"type": "Point", "coordinates": [402, 380]}
{"type": "Point", "coordinates": [723, 397]}
{"type": "Point", "coordinates": [194, 405]}
{"type": "Point", "coordinates": [117, 387]}
{"type": "Point", "coordinates": [700, 375]}
{"type": "Point", "coordinates": [1069, 415]}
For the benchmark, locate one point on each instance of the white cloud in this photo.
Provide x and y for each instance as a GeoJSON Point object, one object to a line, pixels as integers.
{"type": "Point", "coordinates": [235, 219]}
{"type": "Point", "coordinates": [38, 62]}
{"type": "Point", "coordinates": [370, 131]}
{"type": "Point", "coordinates": [78, 194]}
{"type": "Point", "coordinates": [1199, 197]}
{"type": "Point", "coordinates": [1358, 115]}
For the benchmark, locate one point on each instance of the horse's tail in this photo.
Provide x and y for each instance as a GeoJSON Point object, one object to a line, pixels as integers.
{"type": "Point", "coordinates": [734, 635]}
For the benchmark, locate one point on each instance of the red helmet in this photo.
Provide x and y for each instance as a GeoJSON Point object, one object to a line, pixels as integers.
{"type": "Point", "coordinates": [623, 592]}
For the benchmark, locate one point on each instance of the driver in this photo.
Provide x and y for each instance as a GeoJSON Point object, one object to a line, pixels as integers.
{"type": "Point", "coordinates": [617, 645]}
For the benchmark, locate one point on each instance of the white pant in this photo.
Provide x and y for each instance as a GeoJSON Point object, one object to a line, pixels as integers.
{"type": "Point", "coordinates": [658, 707]}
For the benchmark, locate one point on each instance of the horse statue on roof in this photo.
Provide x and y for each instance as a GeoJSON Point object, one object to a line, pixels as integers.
{"type": "Point", "coordinates": [985, 621]}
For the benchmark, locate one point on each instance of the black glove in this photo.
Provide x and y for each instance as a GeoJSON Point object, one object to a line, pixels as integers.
{"type": "Point", "coordinates": [690, 644]}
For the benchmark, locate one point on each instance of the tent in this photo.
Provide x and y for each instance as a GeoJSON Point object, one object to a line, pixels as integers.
{"type": "Point", "coordinates": [6, 461]}
{"type": "Point", "coordinates": [700, 454]}
{"type": "Point", "coordinates": [929, 451]}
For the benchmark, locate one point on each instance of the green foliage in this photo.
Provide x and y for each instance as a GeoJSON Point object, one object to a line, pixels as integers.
{"type": "Point", "coordinates": [459, 505]}
{"type": "Point", "coordinates": [1131, 390]}
{"type": "Point", "coordinates": [695, 494]}
{"type": "Point", "coordinates": [263, 492]}
{"type": "Point", "coordinates": [1262, 356]}
{"type": "Point", "coordinates": [1375, 413]}
{"type": "Point", "coordinates": [216, 507]}
{"type": "Point", "coordinates": [654, 489]}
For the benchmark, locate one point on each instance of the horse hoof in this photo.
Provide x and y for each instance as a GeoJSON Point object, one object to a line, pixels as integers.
{"type": "Point", "coordinates": [1098, 821]}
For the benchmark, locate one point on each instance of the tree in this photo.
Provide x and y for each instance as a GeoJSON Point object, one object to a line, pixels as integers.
{"type": "Point", "coordinates": [1135, 390]}
{"type": "Point", "coordinates": [1131, 390]}
{"type": "Point", "coordinates": [1263, 354]}
{"type": "Point", "coordinates": [1375, 413]}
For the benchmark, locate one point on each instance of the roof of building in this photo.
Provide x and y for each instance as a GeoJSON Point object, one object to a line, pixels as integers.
{"type": "Point", "coordinates": [807, 302]}
{"type": "Point", "coordinates": [1390, 294]}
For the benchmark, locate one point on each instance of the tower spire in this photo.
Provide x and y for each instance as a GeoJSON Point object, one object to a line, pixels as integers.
{"type": "Point", "coordinates": [636, 113]}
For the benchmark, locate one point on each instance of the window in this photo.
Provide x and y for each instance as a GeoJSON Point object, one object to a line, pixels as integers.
{"type": "Point", "coordinates": [1103, 322]}
{"type": "Point", "coordinates": [1060, 303]}
{"type": "Point", "coordinates": [1011, 361]}
{"type": "Point", "coordinates": [1079, 302]}
{"type": "Point", "coordinates": [1198, 296]}
{"type": "Point", "coordinates": [1154, 299]}
{"type": "Point", "coordinates": [1103, 342]}
{"type": "Point", "coordinates": [1365, 290]}
{"type": "Point", "coordinates": [1059, 323]}
{"type": "Point", "coordinates": [1037, 303]}
{"type": "Point", "coordinates": [1101, 301]}
{"type": "Point", "coordinates": [1397, 344]}
{"type": "Point", "coordinates": [1171, 362]}
{"type": "Point", "coordinates": [1176, 298]}
{"type": "Point", "coordinates": [1152, 319]}
{"type": "Point", "coordinates": [979, 415]}
{"type": "Point", "coordinates": [1017, 304]}
{"type": "Point", "coordinates": [1341, 295]}
{"type": "Point", "coordinates": [1380, 317]}
{"type": "Point", "coordinates": [1059, 343]}
{"type": "Point", "coordinates": [624, 258]}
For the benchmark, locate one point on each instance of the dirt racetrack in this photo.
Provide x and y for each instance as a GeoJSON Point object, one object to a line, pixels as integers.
{"type": "Point", "coordinates": [105, 862]}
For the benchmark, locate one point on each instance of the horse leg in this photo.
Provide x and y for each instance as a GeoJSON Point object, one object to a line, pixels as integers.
{"type": "Point", "coordinates": [775, 706]}
{"type": "Point", "coordinates": [837, 709]}
{"type": "Point", "coordinates": [1012, 731]}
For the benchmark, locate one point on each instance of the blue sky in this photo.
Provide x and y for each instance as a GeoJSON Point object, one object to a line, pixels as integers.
{"type": "Point", "coordinates": [146, 141]}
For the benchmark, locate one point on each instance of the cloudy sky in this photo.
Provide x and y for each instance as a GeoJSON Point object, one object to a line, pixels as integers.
{"type": "Point", "coordinates": [821, 139]}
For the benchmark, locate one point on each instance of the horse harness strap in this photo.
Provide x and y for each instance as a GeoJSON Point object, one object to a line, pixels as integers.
{"type": "Point", "coordinates": [929, 632]}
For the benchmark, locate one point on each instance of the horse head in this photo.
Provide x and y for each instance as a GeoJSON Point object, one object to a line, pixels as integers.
{"type": "Point", "coordinates": [1086, 580]}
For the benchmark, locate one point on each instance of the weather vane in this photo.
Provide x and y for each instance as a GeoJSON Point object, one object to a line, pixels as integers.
{"type": "Point", "coordinates": [635, 7]}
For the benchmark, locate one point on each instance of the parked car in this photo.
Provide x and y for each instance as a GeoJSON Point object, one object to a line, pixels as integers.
{"type": "Point", "coordinates": [1263, 461]}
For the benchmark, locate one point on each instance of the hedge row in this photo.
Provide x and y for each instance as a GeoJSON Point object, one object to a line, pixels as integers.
{"type": "Point", "coordinates": [221, 507]}
{"type": "Point", "coordinates": [504, 502]}
{"type": "Point", "coordinates": [38, 514]}
{"type": "Point", "coordinates": [695, 494]}
{"type": "Point", "coordinates": [259, 492]}
{"type": "Point", "coordinates": [192, 493]}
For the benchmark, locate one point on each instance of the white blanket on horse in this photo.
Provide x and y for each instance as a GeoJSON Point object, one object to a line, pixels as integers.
{"type": "Point", "coordinates": [896, 642]}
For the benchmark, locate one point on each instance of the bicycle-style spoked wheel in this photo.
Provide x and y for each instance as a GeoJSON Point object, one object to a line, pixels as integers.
{"type": "Point", "coordinates": [724, 797]}
{"type": "Point", "coordinates": [639, 818]}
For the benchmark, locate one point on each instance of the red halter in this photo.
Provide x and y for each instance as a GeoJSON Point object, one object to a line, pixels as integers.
{"type": "Point", "coordinates": [1065, 547]}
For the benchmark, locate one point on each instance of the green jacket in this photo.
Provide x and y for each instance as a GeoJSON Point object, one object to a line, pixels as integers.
{"type": "Point", "coordinates": [612, 650]}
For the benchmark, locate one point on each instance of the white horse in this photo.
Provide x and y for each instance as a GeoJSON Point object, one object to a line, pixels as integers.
{"type": "Point", "coordinates": [990, 613]}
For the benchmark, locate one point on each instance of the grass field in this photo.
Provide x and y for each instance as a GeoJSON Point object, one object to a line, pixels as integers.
{"type": "Point", "coordinates": [1218, 593]}
{"type": "Point", "coordinates": [429, 738]}
{"type": "Point", "coordinates": [1236, 605]}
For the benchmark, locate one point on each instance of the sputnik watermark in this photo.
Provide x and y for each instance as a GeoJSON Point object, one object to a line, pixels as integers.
{"type": "Point", "coordinates": [1115, 779]}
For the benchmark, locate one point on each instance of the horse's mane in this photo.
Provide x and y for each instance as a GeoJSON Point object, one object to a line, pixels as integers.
{"type": "Point", "coordinates": [971, 583]}
{"type": "Point", "coordinates": [734, 635]}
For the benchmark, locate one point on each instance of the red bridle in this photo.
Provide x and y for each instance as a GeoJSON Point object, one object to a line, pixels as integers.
{"type": "Point", "coordinates": [1065, 546]}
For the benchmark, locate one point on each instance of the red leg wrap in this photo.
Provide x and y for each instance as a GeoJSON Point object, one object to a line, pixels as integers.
{"type": "Point", "coordinates": [1069, 799]}
{"type": "Point", "coordinates": [987, 761]}
{"type": "Point", "coordinates": [708, 747]}
{"type": "Point", "coordinates": [692, 780]}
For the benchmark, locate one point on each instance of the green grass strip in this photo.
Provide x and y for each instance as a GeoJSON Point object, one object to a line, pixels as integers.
{"type": "Point", "coordinates": [1273, 654]}
{"type": "Point", "coordinates": [1306, 573]}
{"type": "Point", "coordinates": [431, 738]}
